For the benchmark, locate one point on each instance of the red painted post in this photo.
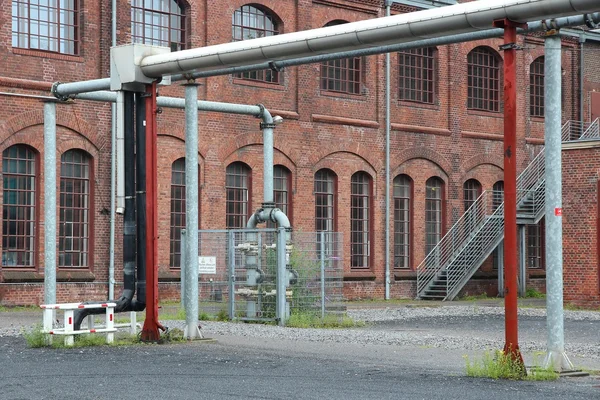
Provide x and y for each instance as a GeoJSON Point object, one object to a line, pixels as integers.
{"type": "Point", "coordinates": [510, 190]}
{"type": "Point", "coordinates": [151, 324]}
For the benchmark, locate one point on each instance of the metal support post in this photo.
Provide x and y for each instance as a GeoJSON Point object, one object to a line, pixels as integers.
{"type": "Point", "coordinates": [322, 234]}
{"type": "Point", "coordinates": [281, 276]}
{"type": "Point", "coordinates": [522, 262]}
{"type": "Point", "coordinates": [500, 251]}
{"type": "Point", "coordinates": [510, 189]}
{"type": "Point", "coordinates": [50, 202]}
{"type": "Point", "coordinates": [191, 211]}
{"type": "Point", "coordinates": [182, 247]}
{"type": "Point", "coordinates": [231, 256]}
{"type": "Point", "coordinates": [556, 357]}
{"type": "Point", "coordinates": [387, 164]}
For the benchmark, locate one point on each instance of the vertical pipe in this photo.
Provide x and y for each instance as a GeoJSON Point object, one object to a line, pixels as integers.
{"type": "Point", "coordinates": [510, 192]}
{"type": "Point", "coordinates": [556, 357]}
{"type": "Point", "coordinates": [129, 226]}
{"type": "Point", "coordinates": [50, 202]}
{"type": "Point", "coordinates": [113, 169]}
{"type": "Point", "coordinates": [281, 276]}
{"type": "Point", "coordinates": [191, 209]}
{"type": "Point", "coordinates": [267, 126]}
{"type": "Point", "coordinates": [322, 255]}
{"type": "Point", "coordinates": [500, 252]}
{"type": "Point", "coordinates": [140, 198]}
{"type": "Point", "coordinates": [387, 164]}
{"type": "Point", "coordinates": [231, 258]}
{"type": "Point", "coordinates": [120, 138]}
{"type": "Point", "coordinates": [522, 262]}
{"type": "Point", "coordinates": [581, 76]}
{"type": "Point", "coordinates": [182, 247]}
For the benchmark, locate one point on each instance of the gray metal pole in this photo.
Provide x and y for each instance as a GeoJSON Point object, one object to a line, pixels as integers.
{"type": "Point", "coordinates": [191, 210]}
{"type": "Point", "coordinates": [182, 272]}
{"type": "Point", "coordinates": [322, 234]}
{"type": "Point", "coordinates": [50, 202]}
{"type": "Point", "coordinates": [556, 357]}
{"type": "Point", "coordinates": [522, 261]}
{"type": "Point", "coordinates": [281, 276]}
{"type": "Point", "coordinates": [113, 169]}
{"type": "Point", "coordinates": [231, 256]}
{"type": "Point", "coordinates": [388, 4]}
{"type": "Point", "coordinates": [267, 126]}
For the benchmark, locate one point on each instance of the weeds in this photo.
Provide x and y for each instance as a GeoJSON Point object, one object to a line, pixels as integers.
{"type": "Point", "coordinates": [533, 293]}
{"type": "Point", "coordinates": [499, 365]}
{"type": "Point", "coordinates": [306, 320]}
{"type": "Point", "coordinates": [36, 338]}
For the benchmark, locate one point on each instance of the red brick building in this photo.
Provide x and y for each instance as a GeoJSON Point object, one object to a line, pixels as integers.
{"type": "Point", "coordinates": [446, 142]}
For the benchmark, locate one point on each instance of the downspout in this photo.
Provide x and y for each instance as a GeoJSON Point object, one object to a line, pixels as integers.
{"type": "Point", "coordinates": [113, 169]}
{"type": "Point", "coordinates": [581, 76]}
{"type": "Point", "coordinates": [388, 4]}
{"type": "Point", "coordinates": [140, 200]}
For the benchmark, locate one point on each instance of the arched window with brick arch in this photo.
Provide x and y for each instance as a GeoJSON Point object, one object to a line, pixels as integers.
{"type": "Point", "coordinates": [536, 87]}
{"type": "Point", "coordinates": [434, 212]}
{"type": "Point", "coordinates": [403, 195]}
{"type": "Point", "coordinates": [471, 191]}
{"type": "Point", "coordinates": [75, 219]}
{"type": "Point", "coordinates": [417, 74]}
{"type": "Point", "coordinates": [344, 75]}
{"type": "Point", "coordinates": [252, 22]}
{"type": "Point", "coordinates": [282, 192]}
{"type": "Point", "coordinates": [238, 187]}
{"type": "Point", "coordinates": [19, 208]}
{"type": "Point", "coordinates": [159, 23]}
{"type": "Point", "coordinates": [483, 79]}
{"type": "Point", "coordinates": [325, 189]}
{"type": "Point", "coordinates": [360, 220]}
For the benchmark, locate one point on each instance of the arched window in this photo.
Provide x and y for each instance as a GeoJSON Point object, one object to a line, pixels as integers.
{"type": "Point", "coordinates": [360, 221]}
{"type": "Point", "coordinates": [471, 191]}
{"type": "Point", "coordinates": [403, 190]}
{"type": "Point", "coordinates": [325, 207]}
{"type": "Point", "coordinates": [250, 22]}
{"type": "Point", "coordinates": [158, 23]}
{"type": "Point", "coordinates": [177, 211]}
{"type": "Point", "coordinates": [536, 87]}
{"type": "Point", "coordinates": [75, 224]}
{"type": "Point", "coordinates": [237, 185]}
{"type": "Point", "coordinates": [434, 195]}
{"type": "Point", "coordinates": [483, 75]}
{"type": "Point", "coordinates": [19, 209]}
{"type": "Point", "coordinates": [282, 190]}
{"type": "Point", "coordinates": [417, 75]}
{"type": "Point", "coordinates": [48, 26]}
{"type": "Point", "coordinates": [345, 75]}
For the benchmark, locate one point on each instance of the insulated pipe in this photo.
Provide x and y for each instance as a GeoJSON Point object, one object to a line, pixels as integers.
{"type": "Point", "coordinates": [140, 200]}
{"type": "Point", "coordinates": [120, 150]}
{"type": "Point", "coordinates": [460, 18]}
{"type": "Point", "coordinates": [556, 357]}
{"type": "Point", "coordinates": [191, 211]}
{"type": "Point", "coordinates": [388, 4]}
{"type": "Point", "coordinates": [50, 202]}
{"type": "Point", "coordinates": [63, 90]}
{"type": "Point", "coordinates": [267, 125]}
{"type": "Point", "coordinates": [113, 168]}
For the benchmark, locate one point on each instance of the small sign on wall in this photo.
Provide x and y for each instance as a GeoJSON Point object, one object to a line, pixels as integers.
{"type": "Point", "coordinates": [207, 265]}
{"type": "Point", "coordinates": [558, 211]}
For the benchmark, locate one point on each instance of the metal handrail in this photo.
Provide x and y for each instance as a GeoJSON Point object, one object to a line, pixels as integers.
{"type": "Point", "coordinates": [483, 223]}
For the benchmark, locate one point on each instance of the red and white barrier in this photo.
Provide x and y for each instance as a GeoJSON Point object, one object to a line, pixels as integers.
{"type": "Point", "coordinates": [68, 330]}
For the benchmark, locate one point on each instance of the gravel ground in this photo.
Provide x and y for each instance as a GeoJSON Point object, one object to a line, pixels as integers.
{"type": "Point", "coordinates": [464, 327]}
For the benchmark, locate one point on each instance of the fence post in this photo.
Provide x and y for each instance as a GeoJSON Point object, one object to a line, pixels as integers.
{"type": "Point", "coordinates": [231, 252]}
{"type": "Point", "coordinates": [281, 276]}
{"type": "Point", "coordinates": [322, 233]}
{"type": "Point", "coordinates": [182, 266]}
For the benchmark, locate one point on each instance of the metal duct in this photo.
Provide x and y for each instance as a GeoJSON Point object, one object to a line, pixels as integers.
{"type": "Point", "coordinates": [460, 18]}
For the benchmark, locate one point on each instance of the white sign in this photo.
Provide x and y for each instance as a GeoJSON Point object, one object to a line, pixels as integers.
{"type": "Point", "coordinates": [207, 265]}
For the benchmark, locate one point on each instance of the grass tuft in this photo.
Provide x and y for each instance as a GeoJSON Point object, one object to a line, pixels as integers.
{"type": "Point", "coordinates": [307, 320]}
{"type": "Point", "coordinates": [499, 365]}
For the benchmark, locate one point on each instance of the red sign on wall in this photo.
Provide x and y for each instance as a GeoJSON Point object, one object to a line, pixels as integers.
{"type": "Point", "coordinates": [558, 211]}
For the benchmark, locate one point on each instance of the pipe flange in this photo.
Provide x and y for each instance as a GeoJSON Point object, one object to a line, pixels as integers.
{"type": "Point", "coordinates": [60, 97]}
{"type": "Point", "coordinates": [262, 110]}
{"type": "Point", "coordinates": [589, 21]}
{"type": "Point", "coordinates": [274, 67]}
{"type": "Point", "coordinates": [267, 125]}
{"type": "Point", "coordinates": [272, 214]}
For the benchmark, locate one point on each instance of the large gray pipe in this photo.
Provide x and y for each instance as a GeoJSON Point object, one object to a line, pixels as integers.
{"type": "Point", "coordinates": [388, 5]}
{"type": "Point", "coordinates": [50, 202]}
{"type": "Point", "coordinates": [460, 18]}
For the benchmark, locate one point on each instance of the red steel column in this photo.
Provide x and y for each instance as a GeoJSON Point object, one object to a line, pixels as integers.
{"type": "Point", "coordinates": [151, 324]}
{"type": "Point", "coordinates": [510, 189]}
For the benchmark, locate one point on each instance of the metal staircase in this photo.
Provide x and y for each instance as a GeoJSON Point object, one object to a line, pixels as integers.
{"type": "Point", "coordinates": [460, 253]}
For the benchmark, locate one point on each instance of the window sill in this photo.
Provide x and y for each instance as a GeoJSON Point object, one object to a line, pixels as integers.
{"type": "Point", "coordinates": [491, 114]}
{"type": "Point", "coordinates": [539, 120]}
{"type": "Point", "coordinates": [258, 84]}
{"type": "Point", "coordinates": [416, 104]}
{"type": "Point", "coordinates": [47, 54]}
{"type": "Point", "coordinates": [331, 93]}
{"type": "Point", "coordinates": [65, 275]}
{"type": "Point", "coordinates": [362, 275]}
{"type": "Point", "coordinates": [21, 276]}
{"type": "Point", "coordinates": [168, 274]}
{"type": "Point", "coordinates": [537, 273]}
{"type": "Point", "coordinates": [405, 275]}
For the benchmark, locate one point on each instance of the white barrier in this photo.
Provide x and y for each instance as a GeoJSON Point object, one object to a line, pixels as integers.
{"type": "Point", "coordinates": [68, 330]}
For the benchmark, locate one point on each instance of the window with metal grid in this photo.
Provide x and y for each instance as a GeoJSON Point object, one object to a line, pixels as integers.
{"type": "Point", "coordinates": [343, 76]}
{"type": "Point", "coordinates": [46, 25]}
{"type": "Point", "coordinates": [158, 23]}
{"type": "Point", "coordinates": [281, 191]}
{"type": "Point", "coordinates": [360, 232]}
{"type": "Point", "coordinates": [402, 220]}
{"type": "Point", "coordinates": [536, 87]}
{"type": "Point", "coordinates": [237, 185]}
{"type": "Point", "coordinates": [417, 75]}
{"type": "Point", "coordinates": [497, 200]}
{"type": "Point", "coordinates": [483, 80]}
{"type": "Point", "coordinates": [250, 22]}
{"type": "Point", "coordinates": [535, 245]}
{"type": "Point", "coordinates": [325, 207]}
{"type": "Point", "coordinates": [177, 211]}
{"type": "Point", "coordinates": [74, 225]}
{"type": "Point", "coordinates": [19, 206]}
{"type": "Point", "coordinates": [433, 212]}
{"type": "Point", "coordinates": [471, 191]}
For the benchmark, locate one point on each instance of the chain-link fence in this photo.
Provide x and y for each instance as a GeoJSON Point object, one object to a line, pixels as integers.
{"type": "Point", "coordinates": [244, 263]}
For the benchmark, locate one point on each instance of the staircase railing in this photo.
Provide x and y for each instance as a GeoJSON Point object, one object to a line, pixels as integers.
{"type": "Point", "coordinates": [530, 195]}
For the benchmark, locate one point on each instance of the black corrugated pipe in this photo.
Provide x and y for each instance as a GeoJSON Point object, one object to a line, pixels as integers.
{"type": "Point", "coordinates": [140, 166]}
{"type": "Point", "coordinates": [124, 303]}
